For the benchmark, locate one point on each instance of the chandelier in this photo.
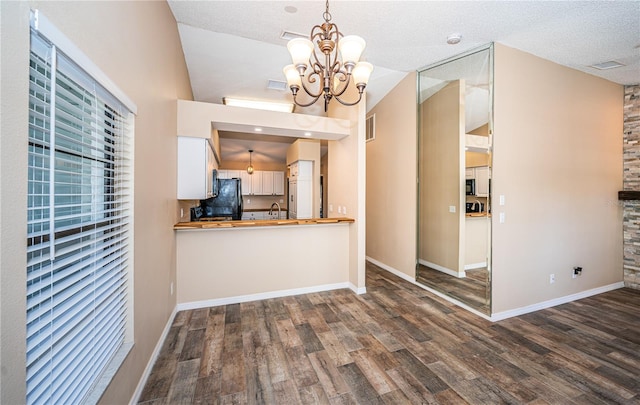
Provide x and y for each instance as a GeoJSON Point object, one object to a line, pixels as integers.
{"type": "Point", "coordinates": [325, 67]}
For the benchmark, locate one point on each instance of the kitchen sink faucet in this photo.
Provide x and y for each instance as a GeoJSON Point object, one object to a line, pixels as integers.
{"type": "Point", "coordinates": [271, 209]}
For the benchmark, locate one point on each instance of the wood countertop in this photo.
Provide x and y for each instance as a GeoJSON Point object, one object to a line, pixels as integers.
{"type": "Point", "coordinates": [258, 223]}
{"type": "Point", "coordinates": [477, 215]}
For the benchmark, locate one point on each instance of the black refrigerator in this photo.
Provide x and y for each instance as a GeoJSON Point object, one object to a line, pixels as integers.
{"type": "Point", "coordinates": [227, 204]}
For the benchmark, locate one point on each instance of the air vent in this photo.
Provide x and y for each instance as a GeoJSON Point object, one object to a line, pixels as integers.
{"type": "Point", "coordinates": [611, 64]}
{"type": "Point", "coordinates": [288, 35]}
{"type": "Point", "coordinates": [277, 85]}
{"type": "Point", "coordinates": [371, 128]}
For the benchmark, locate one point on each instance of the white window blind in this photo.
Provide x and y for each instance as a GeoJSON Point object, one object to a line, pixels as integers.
{"type": "Point", "coordinates": [79, 228]}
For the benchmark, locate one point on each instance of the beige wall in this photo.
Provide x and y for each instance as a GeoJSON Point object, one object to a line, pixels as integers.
{"type": "Point", "coordinates": [391, 180]}
{"type": "Point", "coordinates": [260, 260]}
{"type": "Point", "coordinates": [346, 168]}
{"type": "Point", "coordinates": [440, 153]}
{"type": "Point", "coordinates": [558, 162]}
{"type": "Point", "coordinates": [153, 77]}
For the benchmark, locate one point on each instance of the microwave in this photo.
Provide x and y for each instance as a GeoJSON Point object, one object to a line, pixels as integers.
{"type": "Point", "coordinates": [470, 187]}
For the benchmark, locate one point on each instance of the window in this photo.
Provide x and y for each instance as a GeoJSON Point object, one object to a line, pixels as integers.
{"type": "Point", "coordinates": [370, 128]}
{"type": "Point", "coordinates": [79, 209]}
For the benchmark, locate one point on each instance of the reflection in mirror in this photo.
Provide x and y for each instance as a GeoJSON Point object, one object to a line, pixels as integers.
{"type": "Point", "coordinates": [454, 198]}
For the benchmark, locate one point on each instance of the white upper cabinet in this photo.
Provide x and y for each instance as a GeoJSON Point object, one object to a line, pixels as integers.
{"type": "Point", "coordinates": [196, 162]}
{"type": "Point", "coordinates": [262, 182]}
{"type": "Point", "coordinates": [483, 174]}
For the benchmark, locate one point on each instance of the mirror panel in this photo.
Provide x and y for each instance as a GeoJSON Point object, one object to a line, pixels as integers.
{"type": "Point", "coordinates": [454, 164]}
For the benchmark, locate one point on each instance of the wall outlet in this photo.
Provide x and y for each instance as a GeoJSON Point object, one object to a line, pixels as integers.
{"type": "Point", "coordinates": [181, 213]}
{"type": "Point", "coordinates": [344, 210]}
{"type": "Point", "coordinates": [577, 271]}
{"type": "Point", "coordinates": [552, 278]}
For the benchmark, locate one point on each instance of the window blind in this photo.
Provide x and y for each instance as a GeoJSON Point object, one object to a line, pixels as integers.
{"type": "Point", "coordinates": [79, 227]}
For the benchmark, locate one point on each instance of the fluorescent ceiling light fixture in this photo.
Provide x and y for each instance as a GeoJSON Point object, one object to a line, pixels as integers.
{"type": "Point", "coordinates": [258, 104]}
{"type": "Point", "coordinates": [610, 64]}
{"type": "Point", "coordinates": [257, 129]}
{"type": "Point", "coordinates": [307, 134]}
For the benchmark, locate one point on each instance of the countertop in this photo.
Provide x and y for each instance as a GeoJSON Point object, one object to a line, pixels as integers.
{"type": "Point", "coordinates": [258, 223]}
{"type": "Point", "coordinates": [477, 214]}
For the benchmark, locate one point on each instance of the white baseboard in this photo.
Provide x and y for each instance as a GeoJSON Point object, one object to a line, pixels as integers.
{"type": "Point", "coordinates": [391, 270]}
{"type": "Point", "coordinates": [152, 360]}
{"type": "Point", "coordinates": [473, 266]}
{"type": "Point", "coordinates": [499, 316]}
{"type": "Point", "coordinates": [359, 291]}
{"type": "Point", "coordinates": [442, 269]}
{"type": "Point", "coordinates": [556, 301]}
{"type": "Point", "coordinates": [263, 296]}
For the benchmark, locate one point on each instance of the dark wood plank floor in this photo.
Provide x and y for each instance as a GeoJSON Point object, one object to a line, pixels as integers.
{"type": "Point", "coordinates": [473, 290]}
{"type": "Point", "coordinates": [399, 344]}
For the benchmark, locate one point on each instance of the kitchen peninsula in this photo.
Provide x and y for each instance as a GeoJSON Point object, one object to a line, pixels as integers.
{"type": "Point", "coordinates": [235, 261]}
{"type": "Point", "coordinates": [223, 262]}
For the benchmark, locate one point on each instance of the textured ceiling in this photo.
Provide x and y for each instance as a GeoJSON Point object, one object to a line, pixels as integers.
{"type": "Point", "coordinates": [232, 48]}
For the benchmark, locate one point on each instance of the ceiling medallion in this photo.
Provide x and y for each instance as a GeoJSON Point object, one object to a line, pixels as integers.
{"type": "Point", "coordinates": [333, 68]}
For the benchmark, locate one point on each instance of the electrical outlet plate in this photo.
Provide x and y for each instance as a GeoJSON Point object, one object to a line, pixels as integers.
{"type": "Point", "coordinates": [552, 278]}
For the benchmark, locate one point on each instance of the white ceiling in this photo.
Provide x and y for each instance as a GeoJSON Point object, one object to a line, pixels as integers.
{"type": "Point", "coordinates": [232, 48]}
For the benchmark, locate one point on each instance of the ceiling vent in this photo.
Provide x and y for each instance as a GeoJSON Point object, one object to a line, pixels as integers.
{"type": "Point", "coordinates": [277, 85]}
{"type": "Point", "coordinates": [610, 64]}
{"type": "Point", "coordinates": [289, 35]}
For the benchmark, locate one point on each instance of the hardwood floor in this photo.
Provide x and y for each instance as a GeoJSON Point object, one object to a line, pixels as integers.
{"type": "Point", "coordinates": [399, 344]}
{"type": "Point", "coordinates": [473, 290]}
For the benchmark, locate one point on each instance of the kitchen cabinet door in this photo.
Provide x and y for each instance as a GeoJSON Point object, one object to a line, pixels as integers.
{"type": "Point", "coordinates": [256, 183]}
{"type": "Point", "coordinates": [278, 183]}
{"type": "Point", "coordinates": [267, 183]}
{"type": "Point", "coordinates": [483, 174]}
{"type": "Point", "coordinates": [469, 173]}
{"type": "Point", "coordinates": [196, 163]}
{"type": "Point", "coordinates": [293, 188]}
{"type": "Point", "coordinates": [245, 181]}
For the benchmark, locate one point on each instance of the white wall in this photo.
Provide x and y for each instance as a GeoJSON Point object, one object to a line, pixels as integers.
{"type": "Point", "coordinates": [122, 39]}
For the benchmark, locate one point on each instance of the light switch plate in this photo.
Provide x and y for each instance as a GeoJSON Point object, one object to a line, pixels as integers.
{"type": "Point", "coordinates": [452, 208]}
{"type": "Point", "coordinates": [501, 199]}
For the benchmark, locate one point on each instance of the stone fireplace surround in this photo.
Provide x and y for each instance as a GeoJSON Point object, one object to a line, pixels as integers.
{"type": "Point", "coordinates": [631, 185]}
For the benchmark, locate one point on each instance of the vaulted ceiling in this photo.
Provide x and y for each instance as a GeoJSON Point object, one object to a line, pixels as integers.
{"type": "Point", "coordinates": [233, 48]}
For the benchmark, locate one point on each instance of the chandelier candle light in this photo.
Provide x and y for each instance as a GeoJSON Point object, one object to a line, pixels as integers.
{"type": "Point", "coordinates": [333, 76]}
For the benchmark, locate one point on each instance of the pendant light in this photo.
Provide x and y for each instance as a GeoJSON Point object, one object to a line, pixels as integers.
{"type": "Point", "coordinates": [250, 167]}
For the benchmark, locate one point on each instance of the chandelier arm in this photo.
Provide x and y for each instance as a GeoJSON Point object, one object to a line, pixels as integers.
{"type": "Point", "coordinates": [350, 104]}
{"type": "Point", "coordinates": [307, 90]}
{"type": "Point", "coordinates": [315, 98]}
{"type": "Point", "coordinates": [346, 82]}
